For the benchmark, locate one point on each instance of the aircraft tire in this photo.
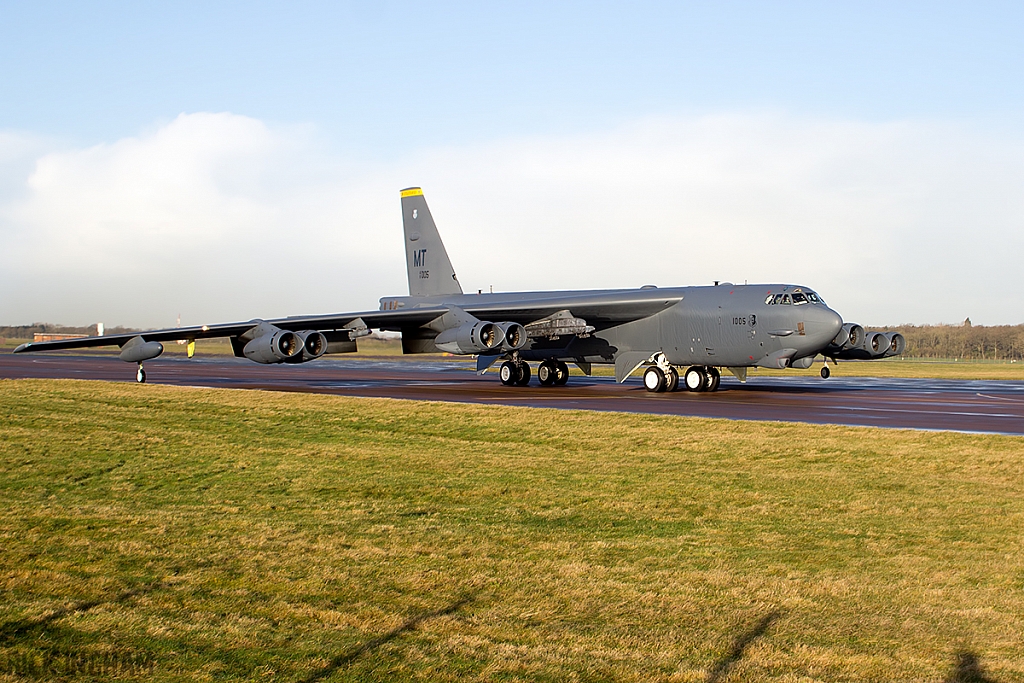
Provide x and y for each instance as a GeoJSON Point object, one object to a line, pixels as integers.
{"type": "Point", "coordinates": [654, 379]}
{"type": "Point", "coordinates": [714, 379]}
{"type": "Point", "coordinates": [523, 375]}
{"type": "Point", "coordinates": [547, 373]}
{"type": "Point", "coordinates": [562, 376]}
{"type": "Point", "coordinates": [140, 376]}
{"type": "Point", "coordinates": [508, 373]}
{"type": "Point", "coordinates": [672, 380]}
{"type": "Point", "coordinates": [825, 372]}
{"type": "Point", "coordinates": [694, 379]}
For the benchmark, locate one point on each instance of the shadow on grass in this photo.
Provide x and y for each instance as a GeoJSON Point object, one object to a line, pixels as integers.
{"type": "Point", "coordinates": [13, 631]}
{"type": "Point", "coordinates": [370, 645]}
{"type": "Point", "coordinates": [967, 669]}
{"type": "Point", "coordinates": [739, 647]}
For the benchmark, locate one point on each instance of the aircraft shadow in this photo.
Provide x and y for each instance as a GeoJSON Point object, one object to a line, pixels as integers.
{"type": "Point", "coordinates": [739, 647]}
{"type": "Point", "coordinates": [19, 629]}
{"type": "Point", "coordinates": [347, 658]}
{"type": "Point", "coordinates": [967, 669]}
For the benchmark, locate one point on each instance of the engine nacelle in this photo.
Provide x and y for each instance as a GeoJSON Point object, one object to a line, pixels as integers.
{"type": "Point", "coordinates": [473, 337]}
{"type": "Point", "coordinates": [513, 336]}
{"type": "Point", "coordinates": [854, 336]}
{"type": "Point", "coordinates": [876, 343]}
{"type": "Point", "coordinates": [897, 344]}
{"type": "Point", "coordinates": [314, 345]}
{"type": "Point", "coordinates": [802, 363]}
{"type": "Point", "coordinates": [272, 345]}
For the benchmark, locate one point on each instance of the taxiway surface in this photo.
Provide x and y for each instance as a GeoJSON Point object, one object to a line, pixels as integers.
{"type": "Point", "coordinates": [959, 405]}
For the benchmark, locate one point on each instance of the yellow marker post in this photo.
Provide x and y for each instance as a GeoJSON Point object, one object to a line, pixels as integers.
{"type": "Point", "coordinates": [191, 348]}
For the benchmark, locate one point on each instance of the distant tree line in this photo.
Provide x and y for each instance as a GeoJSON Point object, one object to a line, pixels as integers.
{"type": "Point", "coordinates": [29, 331]}
{"type": "Point", "coordinates": [966, 341]}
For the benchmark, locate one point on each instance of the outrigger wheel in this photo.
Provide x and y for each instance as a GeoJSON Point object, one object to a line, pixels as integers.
{"type": "Point", "coordinates": [140, 376]}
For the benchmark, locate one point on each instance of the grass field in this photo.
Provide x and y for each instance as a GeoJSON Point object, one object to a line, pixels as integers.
{"type": "Point", "coordinates": [163, 533]}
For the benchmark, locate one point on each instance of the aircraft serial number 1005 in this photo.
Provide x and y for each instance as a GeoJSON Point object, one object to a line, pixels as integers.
{"type": "Point", "coordinates": [682, 336]}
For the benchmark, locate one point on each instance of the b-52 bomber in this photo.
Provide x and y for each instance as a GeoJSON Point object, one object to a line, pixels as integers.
{"type": "Point", "coordinates": [682, 336]}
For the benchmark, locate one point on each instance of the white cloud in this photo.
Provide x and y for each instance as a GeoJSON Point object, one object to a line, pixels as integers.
{"type": "Point", "coordinates": [221, 217]}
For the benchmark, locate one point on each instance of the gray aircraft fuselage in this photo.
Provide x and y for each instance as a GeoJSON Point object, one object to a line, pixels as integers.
{"type": "Point", "coordinates": [722, 325]}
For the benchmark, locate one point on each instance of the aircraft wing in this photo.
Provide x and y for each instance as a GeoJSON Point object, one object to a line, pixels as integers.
{"type": "Point", "coordinates": [600, 309]}
{"type": "Point", "coordinates": [294, 323]}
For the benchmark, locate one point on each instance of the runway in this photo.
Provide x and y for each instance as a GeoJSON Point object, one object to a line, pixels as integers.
{"type": "Point", "coordinates": [995, 407]}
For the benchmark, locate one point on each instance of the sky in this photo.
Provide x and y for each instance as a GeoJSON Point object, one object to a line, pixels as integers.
{"type": "Point", "coordinates": [225, 161]}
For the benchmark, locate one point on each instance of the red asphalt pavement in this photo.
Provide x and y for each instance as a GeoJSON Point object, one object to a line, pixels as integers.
{"type": "Point", "coordinates": [970, 406]}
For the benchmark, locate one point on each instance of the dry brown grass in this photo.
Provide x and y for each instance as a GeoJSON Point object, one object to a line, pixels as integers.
{"type": "Point", "coordinates": [211, 534]}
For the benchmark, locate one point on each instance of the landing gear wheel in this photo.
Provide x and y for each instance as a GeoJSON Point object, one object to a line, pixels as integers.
{"type": "Point", "coordinates": [714, 379]}
{"type": "Point", "coordinates": [508, 373]}
{"type": "Point", "coordinates": [524, 375]}
{"type": "Point", "coordinates": [547, 373]}
{"type": "Point", "coordinates": [654, 379]}
{"type": "Point", "coordinates": [140, 376]}
{"type": "Point", "coordinates": [562, 376]}
{"type": "Point", "coordinates": [671, 380]}
{"type": "Point", "coordinates": [825, 372]}
{"type": "Point", "coordinates": [694, 379]}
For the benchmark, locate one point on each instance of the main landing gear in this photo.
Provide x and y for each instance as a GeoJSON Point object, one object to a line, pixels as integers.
{"type": "Point", "coordinates": [553, 373]}
{"type": "Point", "coordinates": [696, 378]}
{"type": "Point", "coordinates": [516, 373]}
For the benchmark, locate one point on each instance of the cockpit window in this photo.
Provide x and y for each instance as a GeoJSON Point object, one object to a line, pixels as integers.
{"type": "Point", "coordinates": [796, 298]}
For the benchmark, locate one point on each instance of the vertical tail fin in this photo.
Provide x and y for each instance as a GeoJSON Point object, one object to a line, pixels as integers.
{"type": "Point", "coordinates": [430, 270]}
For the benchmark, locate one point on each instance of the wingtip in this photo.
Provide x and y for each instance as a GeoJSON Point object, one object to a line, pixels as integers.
{"type": "Point", "coordinates": [23, 347]}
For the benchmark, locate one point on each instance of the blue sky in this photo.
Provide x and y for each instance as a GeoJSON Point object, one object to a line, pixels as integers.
{"type": "Point", "coordinates": [387, 75]}
{"type": "Point", "coordinates": [409, 93]}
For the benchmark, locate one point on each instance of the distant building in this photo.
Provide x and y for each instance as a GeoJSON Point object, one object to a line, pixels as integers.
{"type": "Point", "coordinates": [46, 336]}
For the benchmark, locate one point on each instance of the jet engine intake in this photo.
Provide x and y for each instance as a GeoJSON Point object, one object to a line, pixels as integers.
{"type": "Point", "coordinates": [876, 343]}
{"type": "Point", "coordinates": [314, 345]}
{"type": "Point", "coordinates": [273, 345]}
{"type": "Point", "coordinates": [854, 336]}
{"type": "Point", "coordinates": [897, 344]}
{"type": "Point", "coordinates": [472, 337]}
{"type": "Point", "coordinates": [513, 335]}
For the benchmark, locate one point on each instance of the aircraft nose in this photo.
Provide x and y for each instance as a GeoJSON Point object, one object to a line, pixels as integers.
{"type": "Point", "coordinates": [821, 325]}
{"type": "Point", "coordinates": [827, 325]}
